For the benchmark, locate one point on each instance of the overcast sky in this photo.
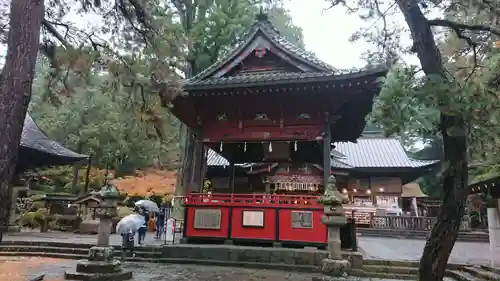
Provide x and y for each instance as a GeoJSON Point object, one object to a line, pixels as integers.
{"type": "Point", "coordinates": [327, 32]}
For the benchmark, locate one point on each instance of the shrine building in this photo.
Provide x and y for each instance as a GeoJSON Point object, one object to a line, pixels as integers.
{"type": "Point", "coordinates": [276, 114]}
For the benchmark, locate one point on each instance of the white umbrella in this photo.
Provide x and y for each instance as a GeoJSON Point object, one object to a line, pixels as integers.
{"type": "Point", "coordinates": [130, 223]}
{"type": "Point", "coordinates": [148, 205]}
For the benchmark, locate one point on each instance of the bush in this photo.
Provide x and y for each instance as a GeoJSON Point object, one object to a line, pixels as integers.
{"type": "Point", "coordinates": [65, 222]}
{"type": "Point", "coordinates": [36, 219]}
{"type": "Point", "coordinates": [130, 201]}
{"type": "Point", "coordinates": [124, 211]}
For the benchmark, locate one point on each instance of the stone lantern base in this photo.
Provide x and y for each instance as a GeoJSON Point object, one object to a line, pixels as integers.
{"type": "Point", "coordinates": [100, 266]}
{"type": "Point", "coordinates": [334, 267]}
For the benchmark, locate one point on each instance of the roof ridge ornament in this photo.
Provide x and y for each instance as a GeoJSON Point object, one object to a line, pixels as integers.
{"type": "Point", "coordinates": [261, 16]}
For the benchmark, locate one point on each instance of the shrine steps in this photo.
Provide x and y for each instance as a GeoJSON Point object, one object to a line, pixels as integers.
{"type": "Point", "coordinates": [475, 273]}
{"type": "Point", "coordinates": [297, 260]}
{"type": "Point", "coordinates": [419, 234]}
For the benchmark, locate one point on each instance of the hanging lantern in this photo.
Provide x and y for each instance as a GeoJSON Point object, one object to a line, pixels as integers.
{"type": "Point", "coordinates": [221, 146]}
{"type": "Point", "coordinates": [270, 147]}
{"type": "Point", "coordinates": [245, 147]}
{"type": "Point", "coordinates": [295, 146]}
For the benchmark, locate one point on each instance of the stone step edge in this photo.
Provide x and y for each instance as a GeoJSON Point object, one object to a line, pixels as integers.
{"type": "Point", "coordinates": [490, 269]}
{"type": "Point", "coordinates": [460, 275]}
{"type": "Point", "coordinates": [382, 275]}
{"type": "Point", "coordinates": [416, 231]}
{"type": "Point", "coordinates": [257, 265]}
{"type": "Point", "coordinates": [49, 249]}
{"type": "Point", "coordinates": [406, 263]}
{"type": "Point", "coordinates": [482, 273]}
{"type": "Point", "coordinates": [421, 237]}
{"type": "Point", "coordinates": [390, 269]}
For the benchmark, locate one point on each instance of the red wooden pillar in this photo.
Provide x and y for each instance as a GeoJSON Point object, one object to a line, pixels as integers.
{"type": "Point", "coordinates": [196, 176]}
{"type": "Point", "coordinates": [231, 178]}
{"type": "Point", "coordinates": [327, 139]}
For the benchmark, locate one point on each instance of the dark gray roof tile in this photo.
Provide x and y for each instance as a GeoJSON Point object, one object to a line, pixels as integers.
{"type": "Point", "coordinates": [377, 153]}
{"type": "Point", "coordinates": [270, 78]}
{"type": "Point", "coordinates": [32, 137]}
{"type": "Point", "coordinates": [366, 153]}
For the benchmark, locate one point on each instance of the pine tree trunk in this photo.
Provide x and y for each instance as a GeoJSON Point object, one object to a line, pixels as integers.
{"type": "Point", "coordinates": [445, 232]}
{"type": "Point", "coordinates": [187, 171]}
{"type": "Point", "coordinates": [26, 17]}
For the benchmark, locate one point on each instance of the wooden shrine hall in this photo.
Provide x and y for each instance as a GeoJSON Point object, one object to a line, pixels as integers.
{"type": "Point", "coordinates": [269, 102]}
{"type": "Point", "coordinates": [374, 173]}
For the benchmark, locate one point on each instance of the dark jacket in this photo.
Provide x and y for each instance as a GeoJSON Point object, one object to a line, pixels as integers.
{"type": "Point", "coordinates": [146, 220]}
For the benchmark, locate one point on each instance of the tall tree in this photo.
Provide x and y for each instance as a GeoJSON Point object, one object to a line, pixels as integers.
{"type": "Point", "coordinates": [74, 52]}
{"type": "Point", "coordinates": [453, 102]}
{"type": "Point", "coordinates": [26, 16]}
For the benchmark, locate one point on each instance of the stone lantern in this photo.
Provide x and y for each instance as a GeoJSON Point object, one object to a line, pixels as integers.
{"type": "Point", "coordinates": [334, 219]}
{"type": "Point", "coordinates": [100, 264]}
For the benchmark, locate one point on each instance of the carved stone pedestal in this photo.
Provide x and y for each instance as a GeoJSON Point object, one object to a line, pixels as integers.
{"type": "Point", "coordinates": [334, 265]}
{"type": "Point", "coordinates": [334, 218]}
{"type": "Point", "coordinates": [100, 266]}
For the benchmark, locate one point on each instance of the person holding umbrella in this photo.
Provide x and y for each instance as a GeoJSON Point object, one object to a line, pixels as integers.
{"type": "Point", "coordinates": [127, 227]}
{"type": "Point", "coordinates": [145, 206]}
{"type": "Point", "coordinates": [143, 229]}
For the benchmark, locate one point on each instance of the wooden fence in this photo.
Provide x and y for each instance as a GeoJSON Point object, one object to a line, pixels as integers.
{"type": "Point", "coordinates": [408, 222]}
{"type": "Point", "coordinates": [402, 222]}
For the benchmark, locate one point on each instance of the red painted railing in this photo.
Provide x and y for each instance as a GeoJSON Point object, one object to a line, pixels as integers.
{"type": "Point", "coordinates": [242, 200]}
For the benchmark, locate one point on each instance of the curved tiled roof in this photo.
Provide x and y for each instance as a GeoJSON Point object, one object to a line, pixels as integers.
{"type": "Point", "coordinates": [366, 153]}
{"type": "Point", "coordinates": [271, 78]}
{"type": "Point", "coordinates": [266, 28]}
{"type": "Point", "coordinates": [310, 67]}
{"type": "Point", "coordinates": [32, 137]}
{"type": "Point", "coordinates": [378, 153]}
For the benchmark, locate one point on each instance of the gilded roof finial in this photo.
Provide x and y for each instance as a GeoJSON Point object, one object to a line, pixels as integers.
{"type": "Point", "coordinates": [261, 16]}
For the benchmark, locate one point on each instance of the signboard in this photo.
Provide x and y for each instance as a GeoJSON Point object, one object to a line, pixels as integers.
{"type": "Point", "coordinates": [252, 218]}
{"type": "Point", "coordinates": [207, 218]}
{"type": "Point", "coordinates": [170, 230]}
{"type": "Point", "coordinates": [302, 219]}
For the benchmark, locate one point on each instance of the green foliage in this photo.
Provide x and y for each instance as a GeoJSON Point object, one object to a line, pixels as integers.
{"type": "Point", "coordinates": [411, 104]}
{"type": "Point", "coordinates": [104, 123]}
{"type": "Point", "coordinates": [65, 222]}
{"type": "Point", "coordinates": [430, 182]}
{"type": "Point", "coordinates": [35, 219]}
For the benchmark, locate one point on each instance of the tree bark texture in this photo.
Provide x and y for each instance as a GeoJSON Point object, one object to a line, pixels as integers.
{"type": "Point", "coordinates": [444, 233]}
{"type": "Point", "coordinates": [26, 17]}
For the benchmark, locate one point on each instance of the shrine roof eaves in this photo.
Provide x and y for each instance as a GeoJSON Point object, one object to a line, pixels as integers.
{"type": "Point", "coordinates": [263, 26]}
{"type": "Point", "coordinates": [33, 138]}
{"type": "Point", "coordinates": [278, 78]}
{"type": "Point", "coordinates": [366, 153]}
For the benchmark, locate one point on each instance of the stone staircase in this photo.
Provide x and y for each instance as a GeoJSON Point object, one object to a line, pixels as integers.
{"type": "Point", "coordinates": [477, 236]}
{"type": "Point", "coordinates": [398, 270]}
{"type": "Point", "coordinates": [474, 273]}
{"type": "Point", "coordinates": [408, 270]}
